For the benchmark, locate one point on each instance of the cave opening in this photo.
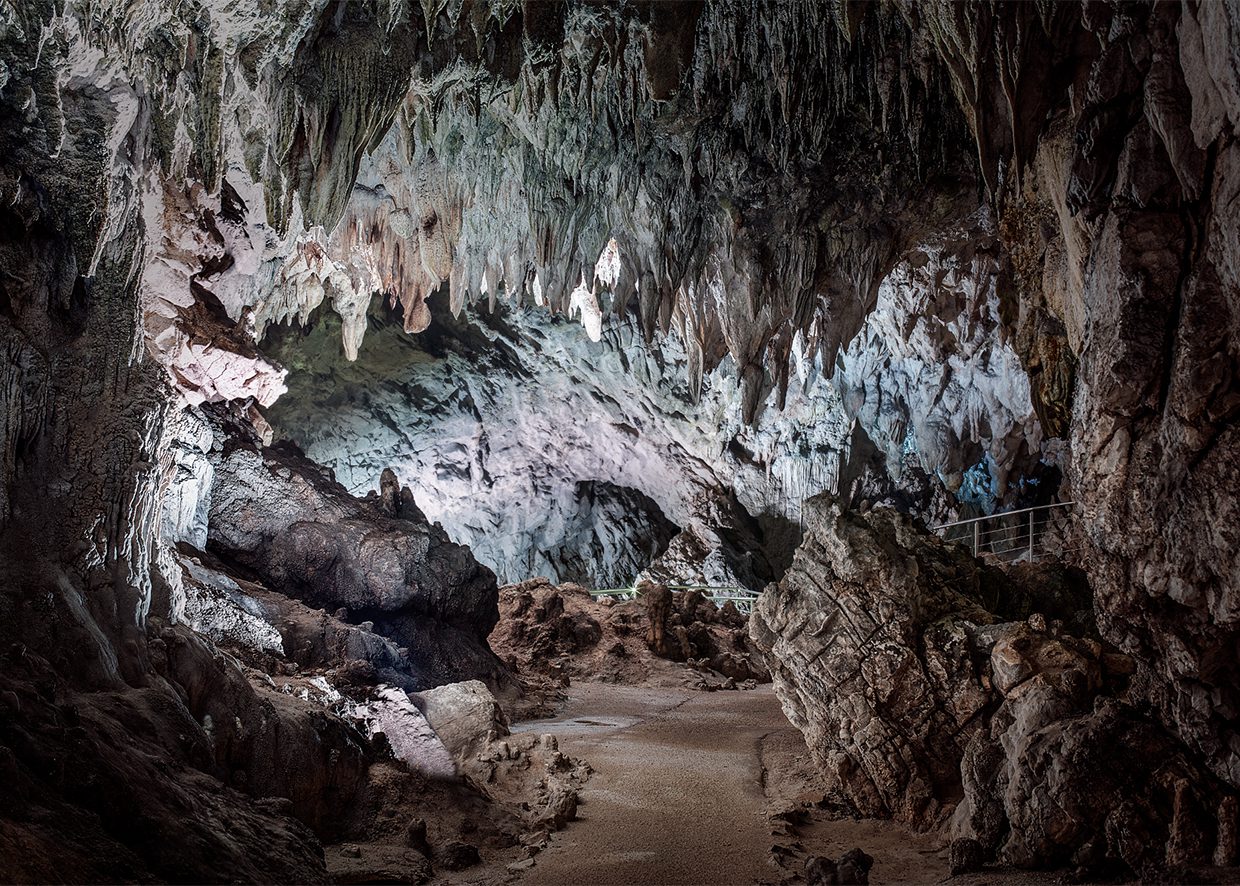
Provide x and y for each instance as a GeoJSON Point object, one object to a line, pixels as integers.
{"type": "Point", "coordinates": [544, 451]}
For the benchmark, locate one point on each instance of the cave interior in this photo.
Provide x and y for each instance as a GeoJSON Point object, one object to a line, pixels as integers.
{"type": "Point", "coordinates": [478, 441]}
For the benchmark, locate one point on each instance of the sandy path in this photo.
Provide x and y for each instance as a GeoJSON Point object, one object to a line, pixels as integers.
{"type": "Point", "coordinates": [677, 793]}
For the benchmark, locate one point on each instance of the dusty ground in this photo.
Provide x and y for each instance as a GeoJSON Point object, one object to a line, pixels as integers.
{"type": "Point", "coordinates": [677, 794]}
{"type": "Point", "coordinates": [687, 789]}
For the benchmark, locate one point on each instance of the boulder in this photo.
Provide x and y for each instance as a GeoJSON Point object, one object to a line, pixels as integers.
{"type": "Point", "coordinates": [412, 739]}
{"type": "Point", "coordinates": [868, 637]}
{"type": "Point", "coordinates": [919, 703]}
{"type": "Point", "coordinates": [284, 518]}
{"type": "Point", "coordinates": [465, 716]}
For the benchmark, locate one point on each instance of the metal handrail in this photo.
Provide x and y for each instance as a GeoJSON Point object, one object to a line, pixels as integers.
{"type": "Point", "coordinates": [743, 597]}
{"type": "Point", "coordinates": [1058, 504]}
{"type": "Point", "coordinates": [1005, 540]}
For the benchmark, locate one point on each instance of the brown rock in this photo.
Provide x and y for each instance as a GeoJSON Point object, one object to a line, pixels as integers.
{"type": "Point", "coordinates": [965, 856]}
{"type": "Point", "coordinates": [658, 600]}
{"type": "Point", "coordinates": [457, 855]}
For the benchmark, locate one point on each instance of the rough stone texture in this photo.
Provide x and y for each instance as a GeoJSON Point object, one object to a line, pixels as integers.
{"type": "Point", "coordinates": [510, 423]}
{"type": "Point", "coordinates": [465, 716]}
{"type": "Point", "coordinates": [941, 307]}
{"type": "Point", "coordinates": [551, 634]}
{"type": "Point", "coordinates": [658, 602]}
{"type": "Point", "coordinates": [917, 701]}
{"type": "Point", "coordinates": [1139, 266]}
{"type": "Point", "coordinates": [546, 453]}
{"type": "Point", "coordinates": [867, 636]}
{"type": "Point", "coordinates": [123, 786]}
{"type": "Point", "coordinates": [413, 739]}
{"type": "Point", "coordinates": [176, 179]}
{"type": "Point", "coordinates": [282, 516]}
{"type": "Point", "coordinates": [218, 608]}
{"type": "Point", "coordinates": [317, 640]}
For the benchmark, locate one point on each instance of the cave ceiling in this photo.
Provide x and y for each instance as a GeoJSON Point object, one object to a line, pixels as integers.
{"type": "Point", "coordinates": [760, 167]}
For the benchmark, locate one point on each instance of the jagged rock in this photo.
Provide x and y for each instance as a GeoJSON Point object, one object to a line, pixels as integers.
{"type": "Point", "coordinates": [457, 855]}
{"type": "Point", "coordinates": [1007, 716]}
{"type": "Point", "coordinates": [465, 716]}
{"type": "Point", "coordinates": [216, 607]}
{"type": "Point", "coordinates": [853, 869]}
{"type": "Point", "coordinates": [1096, 783]}
{"type": "Point", "coordinates": [966, 856]}
{"type": "Point", "coordinates": [143, 762]}
{"type": "Point", "coordinates": [658, 601]}
{"type": "Point", "coordinates": [314, 639]}
{"type": "Point", "coordinates": [411, 737]}
{"type": "Point", "coordinates": [560, 808]}
{"type": "Point", "coordinates": [560, 631]}
{"type": "Point", "coordinates": [868, 638]}
{"type": "Point", "coordinates": [176, 183]}
{"type": "Point", "coordinates": [545, 409]}
{"type": "Point", "coordinates": [820, 871]}
{"type": "Point", "coordinates": [280, 515]}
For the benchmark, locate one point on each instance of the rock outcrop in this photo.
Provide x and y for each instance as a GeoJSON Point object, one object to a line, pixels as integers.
{"type": "Point", "coordinates": [552, 634]}
{"type": "Point", "coordinates": [868, 637]}
{"type": "Point", "coordinates": [921, 699]}
{"type": "Point", "coordinates": [285, 518]}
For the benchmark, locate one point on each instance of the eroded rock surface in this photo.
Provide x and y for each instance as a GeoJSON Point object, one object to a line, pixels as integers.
{"type": "Point", "coordinates": [285, 518]}
{"type": "Point", "coordinates": [552, 634]}
{"type": "Point", "coordinates": [868, 639]}
{"type": "Point", "coordinates": [920, 699]}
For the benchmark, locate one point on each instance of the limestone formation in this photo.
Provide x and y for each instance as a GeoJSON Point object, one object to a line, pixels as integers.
{"type": "Point", "coordinates": [934, 255]}
{"type": "Point", "coordinates": [919, 702]}
{"type": "Point", "coordinates": [868, 636]}
{"type": "Point", "coordinates": [280, 515]}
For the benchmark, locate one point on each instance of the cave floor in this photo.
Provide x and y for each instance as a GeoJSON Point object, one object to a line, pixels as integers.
{"type": "Point", "coordinates": [687, 788]}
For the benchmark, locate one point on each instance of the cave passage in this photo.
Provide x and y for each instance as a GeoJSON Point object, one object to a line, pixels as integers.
{"type": "Point", "coordinates": [704, 442]}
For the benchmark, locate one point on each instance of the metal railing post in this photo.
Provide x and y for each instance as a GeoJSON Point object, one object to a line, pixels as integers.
{"type": "Point", "coordinates": [1004, 541]}
{"type": "Point", "coordinates": [1031, 513]}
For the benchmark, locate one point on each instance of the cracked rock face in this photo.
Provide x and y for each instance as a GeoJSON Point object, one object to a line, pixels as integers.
{"type": "Point", "coordinates": [920, 699]}
{"type": "Point", "coordinates": [868, 636]}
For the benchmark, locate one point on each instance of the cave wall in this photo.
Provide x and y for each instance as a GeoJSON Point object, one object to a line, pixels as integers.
{"type": "Point", "coordinates": [1142, 259]}
{"type": "Point", "coordinates": [496, 418]}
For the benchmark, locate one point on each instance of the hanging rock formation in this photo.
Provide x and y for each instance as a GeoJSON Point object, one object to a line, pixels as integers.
{"type": "Point", "coordinates": [906, 198]}
{"type": "Point", "coordinates": [283, 517]}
